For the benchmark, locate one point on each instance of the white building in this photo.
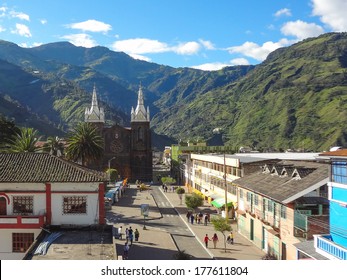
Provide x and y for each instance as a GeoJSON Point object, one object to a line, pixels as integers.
{"type": "Point", "coordinates": [38, 191]}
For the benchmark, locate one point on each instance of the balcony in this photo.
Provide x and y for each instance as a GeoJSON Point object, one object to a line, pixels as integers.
{"type": "Point", "coordinates": [326, 247]}
{"type": "Point", "coordinates": [27, 221]}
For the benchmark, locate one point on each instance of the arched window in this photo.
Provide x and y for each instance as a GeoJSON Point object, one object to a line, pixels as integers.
{"type": "Point", "coordinates": [3, 209]}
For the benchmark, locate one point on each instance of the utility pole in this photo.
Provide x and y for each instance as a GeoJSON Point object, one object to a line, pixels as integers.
{"type": "Point", "coordinates": [109, 167]}
{"type": "Point", "coordinates": [226, 190]}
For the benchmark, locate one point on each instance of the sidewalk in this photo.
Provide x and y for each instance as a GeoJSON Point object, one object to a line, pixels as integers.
{"type": "Point", "coordinates": [242, 249]}
{"type": "Point", "coordinates": [157, 244]}
{"type": "Point", "coordinates": [153, 244]}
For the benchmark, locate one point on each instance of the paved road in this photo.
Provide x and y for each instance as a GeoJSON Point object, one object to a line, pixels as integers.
{"type": "Point", "coordinates": [180, 233]}
{"type": "Point", "coordinates": [167, 230]}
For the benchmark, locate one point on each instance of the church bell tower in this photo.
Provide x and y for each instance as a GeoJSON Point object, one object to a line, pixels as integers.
{"type": "Point", "coordinates": [141, 146]}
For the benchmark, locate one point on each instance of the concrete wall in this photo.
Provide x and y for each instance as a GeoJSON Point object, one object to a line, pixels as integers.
{"type": "Point", "coordinates": [6, 243]}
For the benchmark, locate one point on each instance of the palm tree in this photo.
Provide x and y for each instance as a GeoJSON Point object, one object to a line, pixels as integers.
{"type": "Point", "coordinates": [54, 146]}
{"type": "Point", "coordinates": [84, 144]}
{"type": "Point", "coordinates": [24, 141]}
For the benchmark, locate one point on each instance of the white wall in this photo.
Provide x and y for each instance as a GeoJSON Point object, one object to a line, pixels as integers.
{"type": "Point", "coordinates": [6, 243]}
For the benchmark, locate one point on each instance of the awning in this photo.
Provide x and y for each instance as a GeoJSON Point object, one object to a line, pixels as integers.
{"type": "Point", "coordinates": [220, 202]}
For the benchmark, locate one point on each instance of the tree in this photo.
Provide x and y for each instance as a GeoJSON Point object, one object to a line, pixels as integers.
{"type": "Point", "coordinates": [84, 144]}
{"type": "Point", "coordinates": [112, 174]}
{"type": "Point", "coordinates": [194, 201]}
{"type": "Point", "coordinates": [180, 191]}
{"type": "Point", "coordinates": [24, 141]}
{"type": "Point", "coordinates": [221, 225]}
{"type": "Point", "coordinates": [54, 146]}
{"type": "Point", "coordinates": [168, 180]}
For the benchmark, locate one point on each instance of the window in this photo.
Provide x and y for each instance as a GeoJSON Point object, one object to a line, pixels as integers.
{"type": "Point", "coordinates": [339, 172]}
{"type": "Point", "coordinates": [256, 199]}
{"type": "Point", "coordinates": [283, 212]}
{"type": "Point", "coordinates": [21, 242]}
{"type": "Point", "coordinates": [241, 193]}
{"type": "Point", "coordinates": [249, 197]}
{"type": "Point", "coordinates": [75, 205]}
{"type": "Point", "coordinates": [269, 205]}
{"type": "Point", "coordinates": [23, 204]}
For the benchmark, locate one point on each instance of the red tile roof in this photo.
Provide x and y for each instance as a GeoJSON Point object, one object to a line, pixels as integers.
{"type": "Point", "coordinates": [43, 167]}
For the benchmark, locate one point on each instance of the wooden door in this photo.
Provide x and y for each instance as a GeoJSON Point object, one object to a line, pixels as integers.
{"type": "Point", "coordinates": [3, 206]}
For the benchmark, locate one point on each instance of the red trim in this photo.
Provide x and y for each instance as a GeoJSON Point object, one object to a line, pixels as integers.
{"type": "Point", "coordinates": [6, 196]}
{"type": "Point", "coordinates": [48, 203]}
{"type": "Point", "coordinates": [73, 192]}
{"type": "Point", "coordinates": [101, 204]}
{"type": "Point", "coordinates": [19, 223]}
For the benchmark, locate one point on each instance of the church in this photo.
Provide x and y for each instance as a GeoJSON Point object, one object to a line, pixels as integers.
{"type": "Point", "coordinates": [126, 149]}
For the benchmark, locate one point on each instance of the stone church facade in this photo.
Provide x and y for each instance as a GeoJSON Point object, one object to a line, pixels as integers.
{"type": "Point", "coordinates": [127, 149]}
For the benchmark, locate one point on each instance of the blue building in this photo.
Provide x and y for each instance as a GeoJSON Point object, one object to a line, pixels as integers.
{"type": "Point", "coordinates": [334, 245]}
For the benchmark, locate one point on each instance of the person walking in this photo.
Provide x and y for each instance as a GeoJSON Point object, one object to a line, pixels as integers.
{"type": "Point", "coordinates": [205, 219]}
{"type": "Point", "coordinates": [192, 219]}
{"type": "Point", "coordinates": [230, 238]}
{"type": "Point", "coordinates": [131, 236]}
{"type": "Point", "coordinates": [126, 251]}
{"type": "Point", "coordinates": [188, 216]}
{"type": "Point", "coordinates": [206, 240]}
{"type": "Point", "coordinates": [215, 240]}
{"type": "Point", "coordinates": [120, 232]}
{"type": "Point", "coordinates": [127, 234]}
{"type": "Point", "coordinates": [137, 235]}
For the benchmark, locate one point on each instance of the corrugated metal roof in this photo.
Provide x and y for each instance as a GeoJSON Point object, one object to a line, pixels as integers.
{"type": "Point", "coordinates": [43, 167]}
{"type": "Point", "coordinates": [281, 188]}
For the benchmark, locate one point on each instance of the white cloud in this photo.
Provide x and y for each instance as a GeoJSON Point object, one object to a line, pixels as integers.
{"type": "Point", "coordinates": [3, 11]}
{"type": "Point", "coordinates": [81, 40]}
{"type": "Point", "coordinates": [301, 29]}
{"type": "Point", "coordinates": [211, 66]}
{"type": "Point", "coordinates": [91, 25]}
{"type": "Point", "coordinates": [140, 46]}
{"type": "Point", "coordinates": [239, 61]}
{"type": "Point", "coordinates": [20, 15]}
{"type": "Point", "coordinates": [188, 48]}
{"type": "Point", "coordinates": [43, 21]}
{"type": "Point", "coordinates": [332, 13]}
{"type": "Point", "coordinates": [207, 44]}
{"type": "Point", "coordinates": [140, 57]}
{"type": "Point", "coordinates": [283, 12]}
{"type": "Point", "coordinates": [2, 29]}
{"type": "Point", "coordinates": [22, 30]}
{"type": "Point", "coordinates": [257, 52]}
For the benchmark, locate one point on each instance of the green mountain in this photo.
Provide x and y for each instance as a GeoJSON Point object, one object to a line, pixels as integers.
{"type": "Point", "coordinates": [295, 99]}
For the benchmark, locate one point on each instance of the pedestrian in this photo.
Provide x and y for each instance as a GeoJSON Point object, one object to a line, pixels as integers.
{"type": "Point", "coordinates": [192, 219]}
{"type": "Point", "coordinates": [200, 217]}
{"type": "Point", "coordinates": [206, 239]}
{"type": "Point", "coordinates": [137, 235]}
{"type": "Point", "coordinates": [125, 251]}
{"type": "Point", "coordinates": [120, 232]}
{"type": "Point", "coordinates": [131, 236]}
{"type": "Point", "coordinates": [230, 238]}
{"type": "Point", "coordinates": [205, 219]}
{"type": "Point", "coordinates": [215, 240]}
{"type": "Point", "coordinates": [127, 234]}
{"type": "Point", "coordinates": [188, 216]}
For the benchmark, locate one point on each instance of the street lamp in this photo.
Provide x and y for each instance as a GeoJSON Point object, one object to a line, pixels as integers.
{"type": "Point", "coordinates": [109, 167]}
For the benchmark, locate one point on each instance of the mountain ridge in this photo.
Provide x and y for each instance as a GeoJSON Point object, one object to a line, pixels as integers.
{"type": "Point", "coordinates": [296, 98]}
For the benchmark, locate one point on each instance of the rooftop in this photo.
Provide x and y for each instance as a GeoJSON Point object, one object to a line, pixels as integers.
{"type": "Point", "coordinates": [43, 167]}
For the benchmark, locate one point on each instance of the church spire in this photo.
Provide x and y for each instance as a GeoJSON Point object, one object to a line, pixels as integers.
{"type": "Point", "coordinates": [94, 114]}
{"type": "Point", "coordinates": [140, 114]}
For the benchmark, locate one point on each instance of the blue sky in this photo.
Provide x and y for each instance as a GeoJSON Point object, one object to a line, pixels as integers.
{"type": "Point", "coordinates": [204, 34]}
